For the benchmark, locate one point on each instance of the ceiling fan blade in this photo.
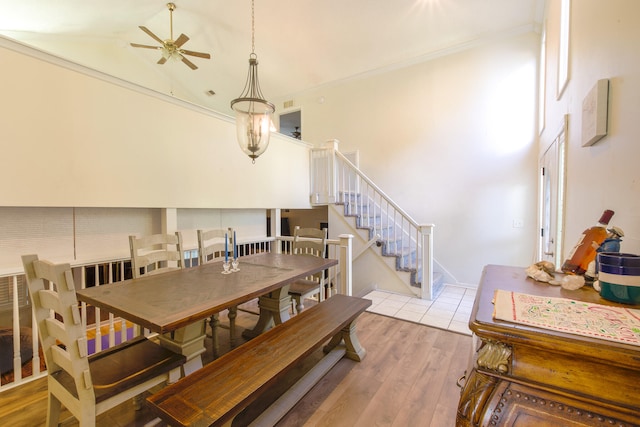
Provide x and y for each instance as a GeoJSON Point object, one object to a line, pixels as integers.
{"type": "Point", "coordinates": [145, 46]}
{"type": "Point", "coordinates": [189, 63]}
{"type": "Point", "coordinates": [162, 60]}
{"type": "Point", "coordinates": [181, 40]}
{"type": "Point", "coordinates": [198, 54]}
{"type": "Point", "coordinates": [153, 36]}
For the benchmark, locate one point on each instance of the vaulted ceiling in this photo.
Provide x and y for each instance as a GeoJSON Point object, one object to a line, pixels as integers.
{"type": "Point", "coordinates": [301, 44]}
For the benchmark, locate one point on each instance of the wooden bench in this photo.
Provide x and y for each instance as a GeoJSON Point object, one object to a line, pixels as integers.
{"type": "Point", "coordinates": [215, 394]}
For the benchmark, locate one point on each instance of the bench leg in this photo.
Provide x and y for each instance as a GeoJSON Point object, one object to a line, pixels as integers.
{"type": "Point", "coordinates": [355, 351]}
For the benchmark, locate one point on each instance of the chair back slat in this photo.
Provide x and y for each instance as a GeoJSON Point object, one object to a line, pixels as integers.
{"type": "Point", "coordinates": [158, 240]}
{"type": "Point", "coordinates": [158, 256]}
{"type": "Point", "coordinates": [61, 358]}
{"type": "Point", "coordinates": [56, 329]}
{"type": "Point", "coordinates": [49, 300]}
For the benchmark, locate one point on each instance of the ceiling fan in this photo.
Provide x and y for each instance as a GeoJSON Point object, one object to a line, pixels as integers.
{"type": "Point", "coordinates": [172, 48]}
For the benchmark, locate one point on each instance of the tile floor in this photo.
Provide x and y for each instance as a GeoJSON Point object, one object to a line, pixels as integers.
{"type": "Point", "coordinates": [450, 310]}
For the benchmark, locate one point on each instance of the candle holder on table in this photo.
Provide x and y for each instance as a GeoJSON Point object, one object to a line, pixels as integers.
{"type": "Point", "coordinates": [226, 265]}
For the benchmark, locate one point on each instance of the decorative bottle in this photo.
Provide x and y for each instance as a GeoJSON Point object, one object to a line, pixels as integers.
{"type": "Point", "coordinates": [585, 250]}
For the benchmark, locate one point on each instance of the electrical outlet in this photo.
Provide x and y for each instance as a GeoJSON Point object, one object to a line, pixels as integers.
{"type": "Point", "coordinates": [518, 223]}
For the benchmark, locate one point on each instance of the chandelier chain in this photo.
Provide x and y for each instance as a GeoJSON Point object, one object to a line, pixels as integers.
{"type": "Point", "coordinates": [253, 30]}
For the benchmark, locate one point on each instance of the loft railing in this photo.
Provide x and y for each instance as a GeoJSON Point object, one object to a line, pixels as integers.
{"type": "Point", "coordinates": [336, 180]}
{"type": "Point", "coordinates": [105, 330]}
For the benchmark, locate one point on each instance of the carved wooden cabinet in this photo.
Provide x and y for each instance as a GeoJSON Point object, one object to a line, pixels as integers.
{"type": "Point", "coordinates": [526, 376]}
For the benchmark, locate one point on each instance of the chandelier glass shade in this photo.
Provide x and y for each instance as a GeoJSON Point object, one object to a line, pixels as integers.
{"type": "Point", "coordinates": [253, 115]}
{"type": "Point", "coordinates": [253, 112]}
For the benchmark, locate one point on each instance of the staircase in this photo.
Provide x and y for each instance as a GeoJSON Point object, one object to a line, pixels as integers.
{"type": "Point", "coordinates": [336, 180]}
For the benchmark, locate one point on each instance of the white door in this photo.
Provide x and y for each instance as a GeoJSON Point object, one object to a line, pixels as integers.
{"type": "Point", "coordinates": [552, 184]}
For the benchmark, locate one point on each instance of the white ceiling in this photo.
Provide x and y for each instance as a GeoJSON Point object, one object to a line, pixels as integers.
{"type": "Point", "coordinates": [301, 44]}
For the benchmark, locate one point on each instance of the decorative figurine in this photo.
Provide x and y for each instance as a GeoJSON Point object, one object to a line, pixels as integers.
{"type": "Point", "coordinates": [612, 242]}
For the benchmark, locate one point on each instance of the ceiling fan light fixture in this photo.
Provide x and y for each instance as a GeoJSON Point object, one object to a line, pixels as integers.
{"type": "Point", "coordinates": [170, 52]}
{"type": "Point", "coordinates": [253, 112]}
{"type": "Point", "coordinates": [170, 48]}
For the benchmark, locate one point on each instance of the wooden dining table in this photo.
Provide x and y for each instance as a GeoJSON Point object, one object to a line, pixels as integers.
{"type": "Point", "coordinates": [175, 304]}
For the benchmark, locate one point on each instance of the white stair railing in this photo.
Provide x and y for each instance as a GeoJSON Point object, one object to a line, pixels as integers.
{"type": "Point", "coordinates": [335, 179]}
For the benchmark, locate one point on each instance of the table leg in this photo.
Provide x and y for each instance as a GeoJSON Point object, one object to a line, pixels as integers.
{"type": "Point", "coordinates": [214, 323]}
{"type": "Point", "coordinates": [188, 341]}
{"type": "Point", "coordinates": [233, 313]}
{"type": "Point", "coordinates": [274, 309]}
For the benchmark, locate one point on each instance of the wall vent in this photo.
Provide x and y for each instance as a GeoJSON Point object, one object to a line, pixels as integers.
{"type": "Point", "coordinates": [288, 104]}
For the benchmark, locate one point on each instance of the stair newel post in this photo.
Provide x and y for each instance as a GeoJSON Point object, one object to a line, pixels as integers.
{"type": "Point", "coordinates": [323, 172]}
{"type": "Point", "coordinates": [426, 261]}
{"type": "Point", "coordinates": [346, 264]}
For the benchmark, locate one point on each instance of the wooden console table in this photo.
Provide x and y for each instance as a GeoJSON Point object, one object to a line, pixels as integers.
{"type": "Point", "coordinates": [526, 376]}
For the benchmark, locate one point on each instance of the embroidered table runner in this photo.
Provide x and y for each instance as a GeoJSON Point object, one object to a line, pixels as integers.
{"type": "Point", "coordinates": [618, 324]}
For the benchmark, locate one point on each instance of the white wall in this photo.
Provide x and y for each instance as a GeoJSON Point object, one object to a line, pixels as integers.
{"type": "Point", "coordinates": [249, 224]}
{"type": "Point", "coordinates": [604, 42]}
{"type": "Point", "coordinates": [452, 141]}
{"type": "Point", "coordinates": [71, 139]}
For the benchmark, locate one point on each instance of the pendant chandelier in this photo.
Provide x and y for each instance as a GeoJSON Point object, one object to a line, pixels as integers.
{"type": "Point", "coordinates": [253, 112]}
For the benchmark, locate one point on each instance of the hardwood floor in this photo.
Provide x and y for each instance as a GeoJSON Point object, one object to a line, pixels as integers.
{"type": "Point", "coordinates": [408, 378]}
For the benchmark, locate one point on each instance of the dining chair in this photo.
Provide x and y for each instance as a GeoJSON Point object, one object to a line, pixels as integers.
{"type": "Point", "coordinates": [156, 253]}
{"type": "Point", "coordinates": [308, 242]}
{"type": "Point", "coordinates": [87, 385]}
{"type": "Point", "coordinates": [212, 245]}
